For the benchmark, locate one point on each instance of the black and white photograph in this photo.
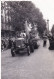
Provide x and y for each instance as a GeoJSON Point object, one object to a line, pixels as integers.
{"type": "Point", "coordinates": [27, 39]}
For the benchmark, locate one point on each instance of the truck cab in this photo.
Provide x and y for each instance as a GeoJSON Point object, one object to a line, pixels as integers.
{"type": "Point", "coordinates": [20, 46]}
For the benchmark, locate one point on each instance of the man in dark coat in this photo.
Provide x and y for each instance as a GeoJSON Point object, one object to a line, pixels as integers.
{"type": "Point", "coordinates": [51, 42]}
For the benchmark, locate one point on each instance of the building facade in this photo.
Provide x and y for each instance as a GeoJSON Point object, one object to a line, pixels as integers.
{"type": "Point", "coordinates": [6, 26]}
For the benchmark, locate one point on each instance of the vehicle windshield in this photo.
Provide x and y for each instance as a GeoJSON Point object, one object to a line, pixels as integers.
{"type": "Point", "coordinates": [19, 42]}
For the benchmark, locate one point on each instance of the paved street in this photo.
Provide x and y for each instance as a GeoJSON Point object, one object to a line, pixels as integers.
{"type": "Point", "coordinates": [39, 65]}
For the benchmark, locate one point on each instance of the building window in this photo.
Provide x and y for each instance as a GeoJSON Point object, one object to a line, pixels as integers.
{"type": "Point", "coordinates": [9, 18]}
{"type": "Point", "coordinates": [6, 11]}
{"type": "Point", "coordinates": [6, 19]}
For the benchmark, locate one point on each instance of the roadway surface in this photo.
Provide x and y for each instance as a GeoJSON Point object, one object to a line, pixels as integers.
{"type": "Point", "coordinates": [39, 65]}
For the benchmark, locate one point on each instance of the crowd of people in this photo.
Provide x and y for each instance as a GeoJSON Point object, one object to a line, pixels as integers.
{"type": "Point", "coordinates": [6, 43]}
{"type": "Point", "coordinates": [50, 37]}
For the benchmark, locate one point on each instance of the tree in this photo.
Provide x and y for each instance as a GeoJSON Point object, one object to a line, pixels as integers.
{"type": "Point", "coordinates": [25, 10]}
{"type": "Point", "coordinates": [52, 30]}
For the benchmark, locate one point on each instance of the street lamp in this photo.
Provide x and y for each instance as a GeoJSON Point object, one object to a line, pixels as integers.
{"type": "Point", "coordinates": [48, 25]}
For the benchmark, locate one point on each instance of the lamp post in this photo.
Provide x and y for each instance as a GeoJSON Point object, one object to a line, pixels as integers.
{"type": "Point", "coordinates": [48, 26]}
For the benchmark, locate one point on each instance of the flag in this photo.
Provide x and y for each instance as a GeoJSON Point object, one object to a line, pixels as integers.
{"type": "Point", "coordinates": [27, 28]}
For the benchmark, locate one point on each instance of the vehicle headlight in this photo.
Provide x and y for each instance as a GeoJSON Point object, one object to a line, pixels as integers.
{"type": "Point", "coordinates": [18, 46]}
{"type": "Point", "coordinates": [38, 42]}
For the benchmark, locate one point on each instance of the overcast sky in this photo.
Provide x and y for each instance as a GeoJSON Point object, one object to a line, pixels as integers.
{"type": "Point", "coordinates": [47, 9]}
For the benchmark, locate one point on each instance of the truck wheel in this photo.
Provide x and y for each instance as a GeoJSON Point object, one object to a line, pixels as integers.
{"type": "Point", "coordinates": [36, 46]}
{"type": "Point", "coordinates": [28, 50]}
{"type": "Point", "coordinates": [32, 49]}
{"type": "Point", "coordinates": [12, 53]}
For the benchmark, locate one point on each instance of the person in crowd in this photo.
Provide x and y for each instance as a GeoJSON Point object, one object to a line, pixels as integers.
{"type": "Point", "coordinates": [10, 43]}
{"type": "Point", "coordinates": [3, 45]}
{"type": "Point", "coordinates": [44, 39]}
{"type": "Point", "coordinates": [51, 42]}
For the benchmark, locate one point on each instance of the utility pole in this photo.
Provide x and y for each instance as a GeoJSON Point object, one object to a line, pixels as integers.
{"type": "Point", "coordinates": [48, 26]}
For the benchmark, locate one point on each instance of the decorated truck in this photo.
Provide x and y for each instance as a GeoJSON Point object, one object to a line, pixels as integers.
{"type": "Point", "coordinates": [24, 44]}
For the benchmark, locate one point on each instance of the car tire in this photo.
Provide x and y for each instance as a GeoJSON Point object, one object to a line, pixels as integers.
{"type": "Point", "coordinates": [12, 53]}
{"type": "Point", "coordinates": [28, 50]}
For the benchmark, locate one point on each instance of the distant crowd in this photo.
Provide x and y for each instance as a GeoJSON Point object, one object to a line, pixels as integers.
{"type": "Point", "coordinates": [50, 37]}
{"type": "Point", "coordinates": [6, 42]}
